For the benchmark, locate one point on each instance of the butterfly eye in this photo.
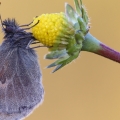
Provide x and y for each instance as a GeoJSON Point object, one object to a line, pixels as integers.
{"type": "Point", "coordinates": [8, 28]}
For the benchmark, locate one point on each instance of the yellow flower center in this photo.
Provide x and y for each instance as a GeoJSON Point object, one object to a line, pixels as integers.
{"type": "Point", "coordinates": [49, 27]}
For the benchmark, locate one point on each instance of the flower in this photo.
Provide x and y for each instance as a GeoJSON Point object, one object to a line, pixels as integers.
{"type": "Point", "coordinates": [67, 34]}
{"type": "Point", "coordinates": [53, 30]}
{"type": "Point", "coordinates": [62, 33]}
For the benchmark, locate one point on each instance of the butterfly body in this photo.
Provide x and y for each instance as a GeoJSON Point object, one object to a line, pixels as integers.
{"type": "Point", "coordinates": [21, 88]}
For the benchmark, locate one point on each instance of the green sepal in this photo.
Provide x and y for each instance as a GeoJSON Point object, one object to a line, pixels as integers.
{"type": "Point", "coordinates": [84, 15]}
{"type": "Point", "coordinates": [65, 62]}
{"type": "Point", "coordinates": [70, 13]}
{"type": "Point", "coordinates": [77, 7]}
{"type": "Point", "coordinates": [62, 42]}
{"type": "Point", "coordinates": [56, 54]}
{"type": "Point", "coordinates": [82, 24]}
{"type": "Point", "coordinates": [62, 59]}
{"type": "Point", "coordinates": [79, 37]}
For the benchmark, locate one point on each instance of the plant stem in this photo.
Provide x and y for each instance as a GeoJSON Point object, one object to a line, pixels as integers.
{"type": "Point", "coordinates": [91, 44]}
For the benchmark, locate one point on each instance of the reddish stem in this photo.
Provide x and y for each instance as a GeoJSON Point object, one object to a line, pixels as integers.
{"type": "Point", "coordinates": [109, 53]}
{"type": "Point", "coordinates": [91, 44]}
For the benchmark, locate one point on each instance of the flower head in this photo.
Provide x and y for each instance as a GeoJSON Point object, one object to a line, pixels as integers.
{"type": "Point", "coordinates": [62, 33]}
{"type": "Point", "coordinates": [53, 31]}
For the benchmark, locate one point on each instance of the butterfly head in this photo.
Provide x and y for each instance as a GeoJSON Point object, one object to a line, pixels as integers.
{"type": "Point", "coordinates": [10, 26]}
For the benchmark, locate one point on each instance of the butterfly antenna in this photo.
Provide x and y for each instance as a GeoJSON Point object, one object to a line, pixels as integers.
{"type": "Point", "coordinates": [32, 26]}
{"type": "Point", "coordinates": [26, 24]}
{"type": "Point", "coordinates": [1, 20]}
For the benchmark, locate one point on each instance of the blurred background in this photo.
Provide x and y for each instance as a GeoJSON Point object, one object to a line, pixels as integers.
{"type": "Point", "coordinates": [89, 87]}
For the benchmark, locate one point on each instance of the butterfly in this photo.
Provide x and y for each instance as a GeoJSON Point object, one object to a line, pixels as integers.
{"type": "Point", "coordinates": [21, 88]}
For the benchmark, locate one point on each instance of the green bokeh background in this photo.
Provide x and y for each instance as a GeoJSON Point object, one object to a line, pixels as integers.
{"type": "Point", "coordinates": [89, 87]}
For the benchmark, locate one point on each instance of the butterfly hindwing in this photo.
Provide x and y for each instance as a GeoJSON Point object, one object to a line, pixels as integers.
{"type": "Point", "coordinates": [20, 83]}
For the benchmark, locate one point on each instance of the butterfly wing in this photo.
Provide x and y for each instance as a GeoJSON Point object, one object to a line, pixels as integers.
{"type": "Point", "coordinates": [21, 88]}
